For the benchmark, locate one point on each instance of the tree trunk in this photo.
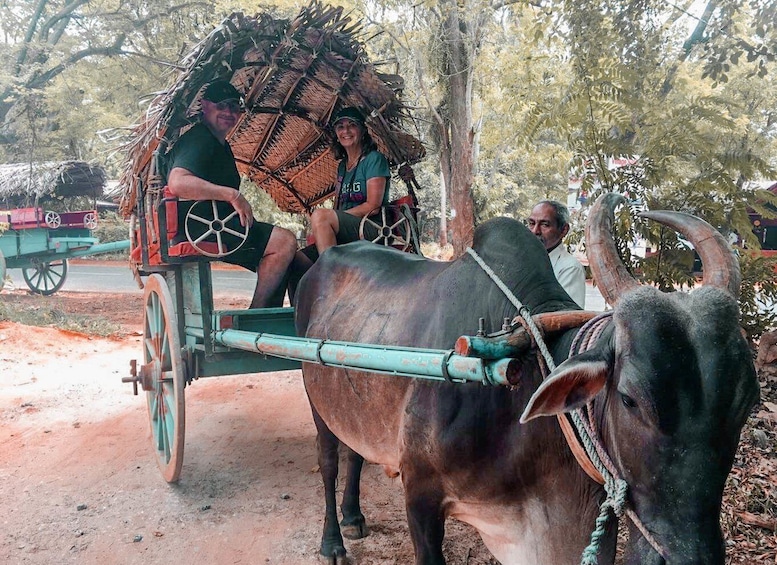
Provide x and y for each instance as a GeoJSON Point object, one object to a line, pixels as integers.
{"type": "Point", "coordinates": [460, 57]}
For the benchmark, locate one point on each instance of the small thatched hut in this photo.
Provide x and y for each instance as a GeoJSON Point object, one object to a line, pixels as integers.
{"type": "Point", "coordinates": [293, 74]}
{"type": "Point", "coordinates": [25, 184]}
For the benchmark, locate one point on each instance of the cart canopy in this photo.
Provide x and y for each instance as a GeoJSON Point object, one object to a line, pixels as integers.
{"type": "Point", "coordinates": [293, 75]}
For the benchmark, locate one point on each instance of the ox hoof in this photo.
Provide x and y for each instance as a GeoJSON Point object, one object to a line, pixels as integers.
{"type": "Point", "coordinates": [355, 529]}
{"type": "Point", "coordinates": [335, 558]}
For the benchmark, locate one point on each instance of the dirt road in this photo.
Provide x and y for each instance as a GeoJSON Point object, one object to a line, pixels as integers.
{"type": "Point", "coordinates": [79, 484]}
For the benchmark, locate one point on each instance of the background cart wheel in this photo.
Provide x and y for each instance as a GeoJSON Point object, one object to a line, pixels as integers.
{"type": "Point", "coordinates": [90, 220]}
{"type": "Point", "coordinates": [164, 377]}
{"type": "Point", "coordinates": [52, 219]}
{"type": "Point", "coordinates": [206, 212]}
{"type": "Point", "coordinates": [45, 278]}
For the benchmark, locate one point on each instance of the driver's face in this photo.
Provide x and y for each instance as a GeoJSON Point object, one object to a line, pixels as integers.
{"type": "Point", "coordinates": [544, 224]}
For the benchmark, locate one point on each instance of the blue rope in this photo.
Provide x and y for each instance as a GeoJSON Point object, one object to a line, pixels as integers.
{"type": "Point", "coordinates": [615, 502]}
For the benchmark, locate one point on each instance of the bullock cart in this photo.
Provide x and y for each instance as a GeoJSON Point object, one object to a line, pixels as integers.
{"type": "Point", "coordinates": [40, 242]}
{"type": "Point", "coordinates": [294, 76]}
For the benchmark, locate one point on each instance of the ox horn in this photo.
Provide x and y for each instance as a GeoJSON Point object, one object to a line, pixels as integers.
{"type": "Point", "coordinates": [608, 270]}
{"type": "Point", "coordinates": [721, 267]}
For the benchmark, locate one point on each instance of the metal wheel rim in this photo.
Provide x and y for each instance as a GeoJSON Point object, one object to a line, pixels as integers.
{"type": "Point", "coordinates": [90, 221]}
{"type": "Point", "coordinates": [191, 218]}
{"type": "Point", "coordinates": [45, 278]}
{"type": "Point", "coordinates": [394, 239]}
{"type": "Point", "coordinates": [166, 402]}
{"type": "Point", "coordinates": [53, 220]}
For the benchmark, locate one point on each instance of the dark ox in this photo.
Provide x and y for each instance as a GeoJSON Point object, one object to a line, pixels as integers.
{"type": "Point", "coordinates": [671, 383]}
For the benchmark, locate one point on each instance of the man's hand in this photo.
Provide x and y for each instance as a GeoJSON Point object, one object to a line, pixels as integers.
{"type": "Point", "coordinates": [243, 209]}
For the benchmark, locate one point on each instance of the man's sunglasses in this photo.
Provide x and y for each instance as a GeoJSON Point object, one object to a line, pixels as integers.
{"type": "Point", "coordinates": [231, 105]}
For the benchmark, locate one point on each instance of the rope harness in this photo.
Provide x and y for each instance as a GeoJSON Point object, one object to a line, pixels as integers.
{"type": "Point", "coordinates": [615, 488]}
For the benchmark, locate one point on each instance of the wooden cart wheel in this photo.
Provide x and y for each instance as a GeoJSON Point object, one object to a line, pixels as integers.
{"type": "Point", "coordinates": [206, 212]}
{"type": "Point", "coordinates": [52, 219]}
{"type": "Point", "coordinates": [90, 220]}
{"type": "Point", "coordinates": [388, 233]}
{"type": "Point", "coordinates": [45, 278]}
{"type": "Point", "coordinates": [165, 377]}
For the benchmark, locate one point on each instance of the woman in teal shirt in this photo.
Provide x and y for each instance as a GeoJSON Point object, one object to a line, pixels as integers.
{"type": "Point", "coordinates": [362, 187]}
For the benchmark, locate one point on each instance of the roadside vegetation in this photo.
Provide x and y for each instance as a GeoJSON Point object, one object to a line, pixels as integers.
{"type": "Point", "coordinates": [43, 314]}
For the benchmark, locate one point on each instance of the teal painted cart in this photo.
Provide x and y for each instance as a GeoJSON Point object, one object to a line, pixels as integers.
{"type": "Point", "coordinates": [40, 243]}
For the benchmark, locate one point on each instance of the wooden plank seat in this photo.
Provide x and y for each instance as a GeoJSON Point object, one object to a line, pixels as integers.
{"type": "Point", "coordinates": [25, 218]}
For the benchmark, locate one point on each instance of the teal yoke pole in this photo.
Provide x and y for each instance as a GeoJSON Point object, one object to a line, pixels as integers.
{"type": "Point", "coordinates": [432, 364]}
{"type": "Point", "coordinates": [101, 248]}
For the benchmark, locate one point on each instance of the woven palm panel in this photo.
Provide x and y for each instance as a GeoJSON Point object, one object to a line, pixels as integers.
{"type": "Point", "coordinates": [293, 75]}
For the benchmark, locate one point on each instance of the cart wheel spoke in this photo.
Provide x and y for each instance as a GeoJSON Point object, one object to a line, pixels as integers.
{"type": "Point", "coordinates": [388, 233]}
{"type": "Point", "coordinates": [199, 219]}
{"type": "Point", "coordinates": [90, 220]}
{"type": "Point", "coordinates": [52, 219]}
{"type": "Point", "coordinates": [163, 362]}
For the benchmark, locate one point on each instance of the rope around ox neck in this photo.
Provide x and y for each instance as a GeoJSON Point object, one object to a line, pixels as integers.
{"type": "Point", "coordinates": [615, 488]}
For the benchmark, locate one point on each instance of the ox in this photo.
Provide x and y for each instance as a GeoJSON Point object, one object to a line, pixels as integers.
{"type": "Point", "coordinates": [670, 384]}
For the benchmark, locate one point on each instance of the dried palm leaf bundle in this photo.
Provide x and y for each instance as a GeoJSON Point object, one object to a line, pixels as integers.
{"type": "Point", "coordinates": [294, 75]}
{"type": "Point", "coordinates": [25, 184]}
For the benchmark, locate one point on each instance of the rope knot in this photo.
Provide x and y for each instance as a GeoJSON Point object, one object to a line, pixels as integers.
{"type": "Point", "coordinates": [616, 490]}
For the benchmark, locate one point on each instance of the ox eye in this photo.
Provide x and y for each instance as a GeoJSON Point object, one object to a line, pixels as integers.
{"type": "Point", "coordinates": [628, 402]}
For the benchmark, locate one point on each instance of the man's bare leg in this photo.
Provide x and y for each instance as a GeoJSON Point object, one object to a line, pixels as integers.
{"type": "Point", "coordinates": [299, 266]}
{"type": "Point", "coordinates": [272, 273]}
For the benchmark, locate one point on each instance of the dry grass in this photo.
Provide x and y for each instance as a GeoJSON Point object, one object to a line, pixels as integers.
{"type": "Point", "coordinates": [43, 315]}
{"type": "Point", "coordinates": [750, 500]}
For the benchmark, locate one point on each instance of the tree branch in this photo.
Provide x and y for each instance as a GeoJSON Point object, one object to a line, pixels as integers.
{"type": "Point", "coordinates": [21, 58]}
{"type": "Point", "coordinates": [40, 80]}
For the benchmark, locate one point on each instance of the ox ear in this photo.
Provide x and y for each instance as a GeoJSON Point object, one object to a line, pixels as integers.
{"type": "Point", "coordinates": [573, 384]}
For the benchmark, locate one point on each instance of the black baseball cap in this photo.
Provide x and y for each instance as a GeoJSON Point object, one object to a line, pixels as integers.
{"type": "Point", "coordinates": [348, 113]}
{"type": "Point", "coordinates": [221, 90]}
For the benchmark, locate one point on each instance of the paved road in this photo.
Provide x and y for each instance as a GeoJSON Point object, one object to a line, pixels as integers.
{"type": "Point", "coordinates": [100, 277]}
{"type": "Point", "coordinates": [86, 277]}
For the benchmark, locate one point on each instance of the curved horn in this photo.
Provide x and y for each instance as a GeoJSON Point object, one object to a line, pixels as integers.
{"type": "Point", "coordinates": [721, 267]}
{"type": "Point", "coordinates": [608, 270]}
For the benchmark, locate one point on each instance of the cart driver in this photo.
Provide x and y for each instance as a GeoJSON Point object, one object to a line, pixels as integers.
{"type": "Point", "coordinates": [201, 166]}
{"type": "Point", "coordinates": [549, 221]}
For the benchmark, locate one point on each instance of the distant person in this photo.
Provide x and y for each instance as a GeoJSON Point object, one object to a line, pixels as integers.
{"type": "Point", "coordinates": [549, 221]}
{"type": "Point", "coordinates": [201, 166]}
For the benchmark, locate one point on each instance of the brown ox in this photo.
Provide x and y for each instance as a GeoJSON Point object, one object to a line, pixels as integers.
{"type": "Point", "coordinates": [671, 382]}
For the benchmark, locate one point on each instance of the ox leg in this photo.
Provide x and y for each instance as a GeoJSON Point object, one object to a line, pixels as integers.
{"type": "Point", "coordinates": [425, 517]}
{"type": "Point", "coordinates": [353, 525]}
{"type": "Point", "coordinates": [332, 546]}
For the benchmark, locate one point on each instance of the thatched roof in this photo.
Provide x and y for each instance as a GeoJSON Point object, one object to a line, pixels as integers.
{"type": "Point", "coordinates": [294, 74]}
{"type": "Point", "coordinates": [22, 184]}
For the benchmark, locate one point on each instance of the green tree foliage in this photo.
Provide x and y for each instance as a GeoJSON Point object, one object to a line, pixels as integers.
{"type": "Point", "coordinates": [72, 69]}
